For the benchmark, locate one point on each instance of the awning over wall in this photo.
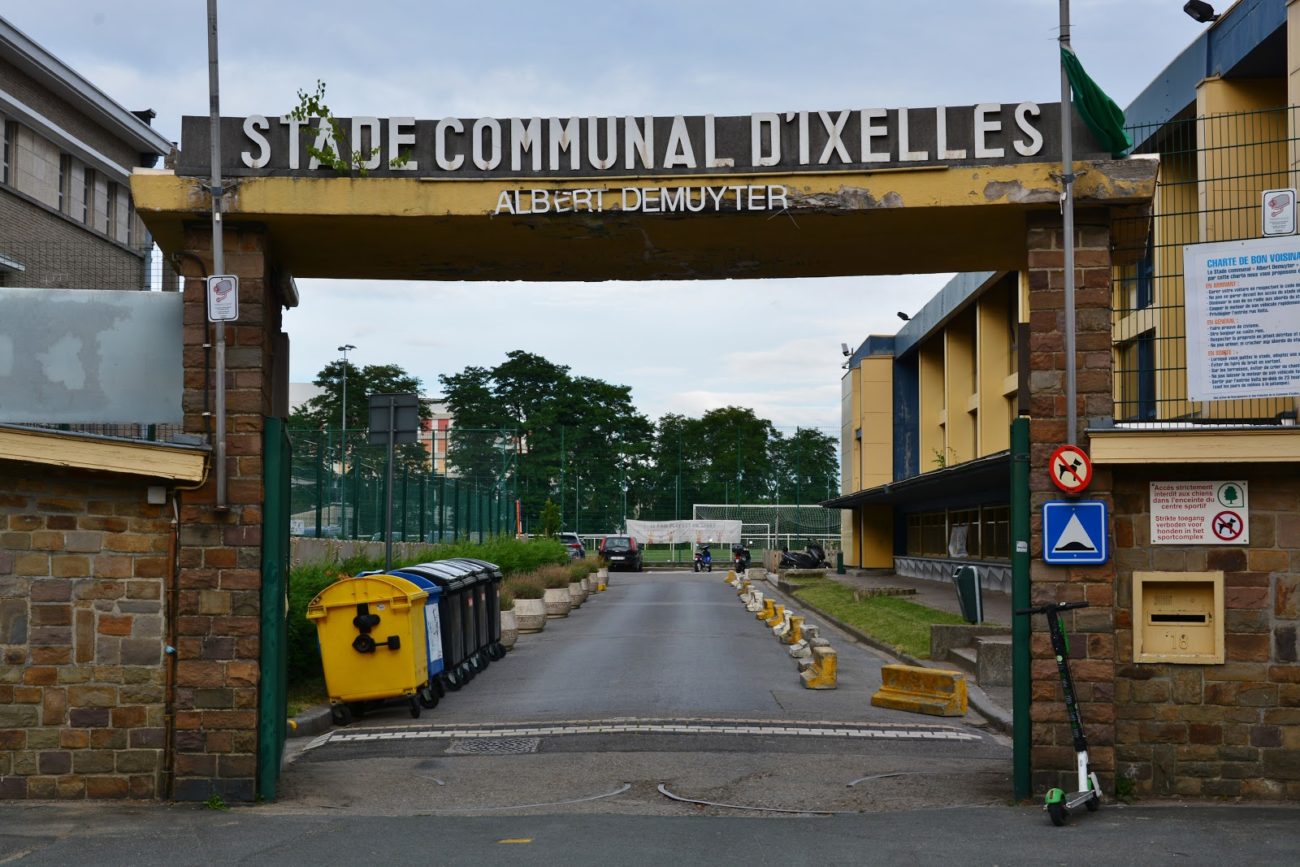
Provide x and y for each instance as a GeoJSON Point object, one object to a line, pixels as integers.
{"type": "Point", "coordinates": [991, 472]}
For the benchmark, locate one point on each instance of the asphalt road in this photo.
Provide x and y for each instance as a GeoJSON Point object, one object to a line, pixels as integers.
{"type": "Point", "coordinates": [664, 679]}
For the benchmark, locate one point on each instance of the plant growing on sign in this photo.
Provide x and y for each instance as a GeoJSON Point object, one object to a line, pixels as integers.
{"type": "Point", "coordinates": [323, 135]}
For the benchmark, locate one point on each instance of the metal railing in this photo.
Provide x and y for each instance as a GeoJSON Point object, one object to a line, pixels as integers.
{"type": "Point", "coordinates": [1213, 171]}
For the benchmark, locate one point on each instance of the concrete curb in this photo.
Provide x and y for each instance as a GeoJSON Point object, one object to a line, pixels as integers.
{"type": "Point", "coordinates": [313, 721]}
{"type": "Point", "coordinates": [997, 717]}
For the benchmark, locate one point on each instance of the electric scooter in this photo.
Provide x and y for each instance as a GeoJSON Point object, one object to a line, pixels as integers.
{"type": "Point", "coordinates": [1058, 803]}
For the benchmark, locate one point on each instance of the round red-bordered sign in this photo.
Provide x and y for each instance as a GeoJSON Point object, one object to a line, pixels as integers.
{"type": "Point", "coordinates": [1070, 469]}
{"type": "Point", "coordinates": [1227, 525]}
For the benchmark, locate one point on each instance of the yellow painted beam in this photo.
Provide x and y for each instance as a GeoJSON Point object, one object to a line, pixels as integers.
{"type": "Point", "coordinates": [1280, 445]}
{"type": "Point", "coordinates": [152, 460]}
{"type": "Point", "coordinates": [835, 223]}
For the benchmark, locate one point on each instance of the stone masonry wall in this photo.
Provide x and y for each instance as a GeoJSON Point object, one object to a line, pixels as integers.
{"type": "Point", "coordinates": [83, 564]}
{"type": "Point", "coordinates": [1230, 730]}
{"type": "Point", "coordinates": [218, 614]}
{"type": "Point", "coordinates": [1091, 630]}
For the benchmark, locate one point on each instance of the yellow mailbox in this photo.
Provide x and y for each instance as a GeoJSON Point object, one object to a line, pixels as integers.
{"type": "Point", "coordinates": [372, 640]}
{"type": "Point", "coordinates": [1178, 617]}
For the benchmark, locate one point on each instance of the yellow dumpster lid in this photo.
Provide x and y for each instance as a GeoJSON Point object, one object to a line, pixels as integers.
{"type": "Point", "coordinates": [370, 589]}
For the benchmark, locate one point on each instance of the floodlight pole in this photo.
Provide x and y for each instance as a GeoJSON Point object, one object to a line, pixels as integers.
{"type": "Point", "coordinates": [218, 258]}
{"type": "Point", "coordinates": [1067, 242]}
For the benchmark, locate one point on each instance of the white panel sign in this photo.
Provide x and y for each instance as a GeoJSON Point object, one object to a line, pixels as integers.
{"type": "Point", "coordinates": [1199, 513]}
{"type": "Point", "coordinates": [223, 298]}
{"type": "Point", "coordinates": [1277, 212]}
{"type": "Point", "coordinates": [690, 532]}
{"type": "Point", "coordinates": [1243, 318]}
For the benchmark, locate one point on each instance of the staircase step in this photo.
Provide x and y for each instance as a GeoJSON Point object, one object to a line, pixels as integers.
{"type": "Point", "coordinates": [965, 658]}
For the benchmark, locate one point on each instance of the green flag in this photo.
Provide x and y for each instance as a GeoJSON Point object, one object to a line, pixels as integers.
{"type": "Point", "coordinates": [1103, 117]}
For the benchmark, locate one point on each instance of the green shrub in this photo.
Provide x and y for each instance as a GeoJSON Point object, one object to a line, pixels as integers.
{"type": "Point", "coordinates": [302, 647]}
{"type": "Point", "coordinates": [523, 587]}
{"type": "Point", "coordinates": [582, 567]}
{"type": "Point", "coordinates": [507, 598]}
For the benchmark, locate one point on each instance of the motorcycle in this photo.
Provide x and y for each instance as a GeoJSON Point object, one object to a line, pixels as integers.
{"type": "Point", "coordinates": [739, 558]}
{"type": "Point", "coordinates": [704, 560]}
{"type": "Point", "coordinates": [813, 558]}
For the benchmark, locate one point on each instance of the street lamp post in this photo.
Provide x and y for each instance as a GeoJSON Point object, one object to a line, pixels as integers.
{"type": "Point", "coordinates": [343, 440]}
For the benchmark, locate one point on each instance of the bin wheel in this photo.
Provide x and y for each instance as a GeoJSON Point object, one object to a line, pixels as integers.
{"type": "Point", "coordinates": [467, 672]}
{"type": "Point", "coordinates": [499, 651]}
{"type": "Point", "coordinates": [440, 687]}
{"type": "Point", "coordinates": [415, 707]}
{"type": "Point", "coordinates": [428, 697]}
{"type": "Point", "coordinates": [484, 659]}
{"type": "Point", "coordinates": [1057, 814]}
{"type": "Point", "coordinates": [453, 681]}
{"type": "Point", "coordinates": [341, 714]}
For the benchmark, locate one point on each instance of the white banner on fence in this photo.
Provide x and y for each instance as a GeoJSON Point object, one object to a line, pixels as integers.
{"type": "Point", "coordinates": [691, 532]}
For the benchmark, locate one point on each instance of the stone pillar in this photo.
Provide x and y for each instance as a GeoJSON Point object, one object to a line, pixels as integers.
{"type": "Point", "coordinates": [1091, 630]}
{"type": "Point", "coordinates": [217, 615]}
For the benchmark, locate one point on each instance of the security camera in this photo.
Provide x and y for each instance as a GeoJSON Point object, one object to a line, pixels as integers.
{"type": "Point", "coordinates": [844, 348]}
{"type": "Point", "coordinates": [1200, 11]}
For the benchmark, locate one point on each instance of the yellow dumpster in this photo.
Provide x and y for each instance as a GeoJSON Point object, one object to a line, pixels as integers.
{"type": "Point", "coordinates": [372, 642]}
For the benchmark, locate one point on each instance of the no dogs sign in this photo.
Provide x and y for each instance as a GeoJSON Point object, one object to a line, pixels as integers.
{"type": "Point", "coordinates": [1070, 469]}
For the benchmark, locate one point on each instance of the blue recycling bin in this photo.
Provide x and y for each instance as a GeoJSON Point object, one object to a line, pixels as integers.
{"type": "Point", "coordinates": [458, 620]}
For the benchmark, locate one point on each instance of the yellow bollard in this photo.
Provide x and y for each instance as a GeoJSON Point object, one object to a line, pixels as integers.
{"type": "Point", "coordinates": [778, 614]}
{"type": "Point", "coordinates": [795, 635]}
{"type": "Point", "coordinates": [823, 671]}
{"type": "Point", "coordinates": [766, 612]}
{"type": "Point", "coordinates": [731, 576]}
{"type": "Point", "coordinates": [744, 588]}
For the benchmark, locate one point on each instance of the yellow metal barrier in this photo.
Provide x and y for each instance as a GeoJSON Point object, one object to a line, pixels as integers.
{"type": "Point", "coordinates": [823, 671]}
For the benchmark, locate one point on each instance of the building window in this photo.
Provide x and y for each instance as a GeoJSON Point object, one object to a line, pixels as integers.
{"type": "Point", "coordinates": [1146, 376]}
{"type": "Point", "coordinates": [995, 532]}
{"type": "Point", "coordinates": [110, 210]}
{"type": "Point", "coordinates": [65, 183]}
{"type": "Point", "coordinates": [10, 150]}
{"type": "Point", "coordinates": [964, 532]}
{"type": "Point", "coordinates": [88, 197]}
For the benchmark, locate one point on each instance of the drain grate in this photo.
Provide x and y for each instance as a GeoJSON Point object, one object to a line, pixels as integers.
{"type": "Point", "coordinates": [493, 746]}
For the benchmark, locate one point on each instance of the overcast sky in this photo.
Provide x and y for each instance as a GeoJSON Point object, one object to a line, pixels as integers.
{"type": "Point", "coordinates": [773, 344]}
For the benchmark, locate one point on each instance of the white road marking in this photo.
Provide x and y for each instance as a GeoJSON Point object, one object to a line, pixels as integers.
{"type": "Point", "coordinates": [640, 727]}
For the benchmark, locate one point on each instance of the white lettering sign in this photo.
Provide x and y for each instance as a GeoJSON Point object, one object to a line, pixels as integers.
{"type": "Point", "coordinates": [646, 200]}
{"type": "Point", "coordinates": [1199, 513]}
{"type": "Point", "coordinates": [1243, 318]}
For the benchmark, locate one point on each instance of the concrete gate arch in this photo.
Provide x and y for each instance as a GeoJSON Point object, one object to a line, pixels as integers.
{"type": "Point", "coordinates": [935, 216]}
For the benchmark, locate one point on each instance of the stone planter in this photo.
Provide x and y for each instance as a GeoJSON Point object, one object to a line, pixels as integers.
{"type": "Point", "coordinates": [589, 584]}
{"type": "Point", "coordinates": [558, 602]}
{"type": "Point", "coordinates": [510, 628]}
{"type": "Point", "coordinates": [578, 593]}
{"type": "Point", "coordinates": [530, 615]}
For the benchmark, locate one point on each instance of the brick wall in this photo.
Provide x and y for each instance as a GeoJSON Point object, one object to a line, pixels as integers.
{"type": "Point", "coordinates": [59, 252]}
{"type": "Point", "coordinates": [1230, 730]}
{"type": "Point", "coordinates": [218, 615]}
{"type": "Point", "coordinates": [1092, 630]}
{"type": "Point", "coordinates": [83, 563]}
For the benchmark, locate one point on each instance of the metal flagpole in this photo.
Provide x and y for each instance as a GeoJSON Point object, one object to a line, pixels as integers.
{"type": "Point", "coordinates": [218, 258]}
{"type": "Point", "coordinates": [1067, 242]}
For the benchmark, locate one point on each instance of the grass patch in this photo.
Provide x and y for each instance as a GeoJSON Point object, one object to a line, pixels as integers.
{"type": "Point", "coordinates": [305, 694]}
{"type": "Point", "coordinates": [904, 626]}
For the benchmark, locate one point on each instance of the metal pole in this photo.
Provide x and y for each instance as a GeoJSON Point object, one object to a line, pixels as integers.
{"type": "Point", "coordinates": [320, 485]}
{"type": "Point", "coordinates": [1067, 242]}
{"type": "Point", "coordinates": [218, 252]}
{"type": "Point", "coordinates": [1020, 595]}
{"type": "Point", "coordinates": [388, 487]}
{"type": "Point", "coordinates": [343, 442]}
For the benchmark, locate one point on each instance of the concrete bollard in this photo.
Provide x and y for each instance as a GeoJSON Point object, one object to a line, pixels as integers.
{"type": "Point", "coordinates": [744, 588]}
{"type": "Point", "coordinates": [765, 613]}
{"type": "Point", "coordinates": [778, 614]}
{"type": "Point", "coordinates": [756, 573]}
{"type": "Point", "coordinates": [731, 576]}
{"type": "Point", "coordinates": [755, 603]}
{"type": "Point", "coordinates": [822, 673]}
{"type": "Point", "coordinates": [934, 691]}
{"type": "Point", "coordinates": [794, 630]}
{"type": "Point", "coordinates": [800, 651]}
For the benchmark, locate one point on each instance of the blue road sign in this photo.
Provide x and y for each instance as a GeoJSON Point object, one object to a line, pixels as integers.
{"type": "Point", "coordinates": [1075, 532]}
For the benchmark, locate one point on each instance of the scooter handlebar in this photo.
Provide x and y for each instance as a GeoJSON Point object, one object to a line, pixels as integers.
{"type": "Point", "coordinates": [1051, 607]}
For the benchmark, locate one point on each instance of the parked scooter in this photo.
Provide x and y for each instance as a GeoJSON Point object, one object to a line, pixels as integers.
{"type": "Point", "coordinates": [703, 559]}
{"type": "Point", "coordinates": [813, 558]}
{"type": "Point", "coordinates": [739, 558]}
{"type": "Point", "coordinates": [1059, 803]}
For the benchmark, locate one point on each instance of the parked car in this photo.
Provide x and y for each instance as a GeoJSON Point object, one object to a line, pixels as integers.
{"type": "Point", "coordinates": [574, 544]}
{"type": "Point", "coordinates": [621, 552]}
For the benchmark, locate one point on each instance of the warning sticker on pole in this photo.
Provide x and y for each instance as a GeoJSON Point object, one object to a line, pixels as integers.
{"type": "Point", "coordinates": [1199, 513]}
